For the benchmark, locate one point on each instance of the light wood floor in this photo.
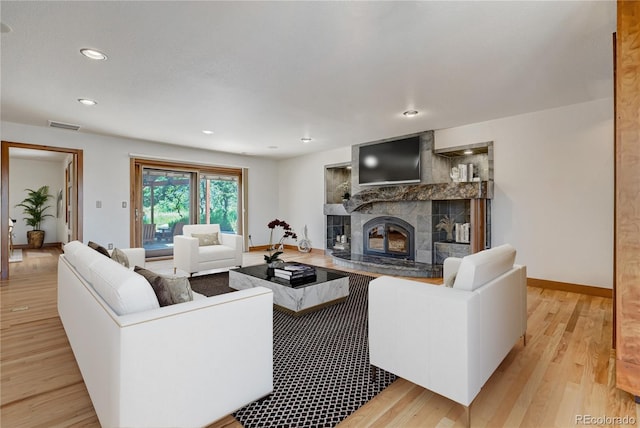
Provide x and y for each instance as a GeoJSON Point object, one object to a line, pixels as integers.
{"type": "Point", "coordinates": [565, 370]}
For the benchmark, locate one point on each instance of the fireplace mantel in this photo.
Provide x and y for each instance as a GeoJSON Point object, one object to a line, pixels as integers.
{"type": "Point", "coordinates": [420, 192]}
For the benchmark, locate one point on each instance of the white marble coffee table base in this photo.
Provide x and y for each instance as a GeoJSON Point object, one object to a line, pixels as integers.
{"type": "Point", "coordinates": [299, 300]}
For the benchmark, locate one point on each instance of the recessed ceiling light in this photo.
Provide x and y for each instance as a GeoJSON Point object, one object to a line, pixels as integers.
{"type": "Point", "coordinates": [93, 54]}
{"type": "Point", "coordinates": [411, 113]}
{"type": "Point", "coordinates": [305, 140]}
{"type": "Point", "coordinates": [468, 152]}
{"type": "Point", "coordinates": [87, 102]}
{"type": "Point", "coordinates": [206, 131]}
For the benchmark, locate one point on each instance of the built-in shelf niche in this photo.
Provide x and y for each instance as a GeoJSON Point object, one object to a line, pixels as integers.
{"type": "Point", "coordinates": [338, 225]}
{"type": "Point", "coordinates": [337, 182]}
{"type": "Point", "coordinates": [337, 179]}
{"type": "Point", "coordinates": [458, 210]}
{"type": "Point", "coordinates": [481, 156]}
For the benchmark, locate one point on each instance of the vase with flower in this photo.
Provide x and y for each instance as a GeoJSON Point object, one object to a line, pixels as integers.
{"type": "Point", "coordinates": [275, 250]}
{"type": "Point", "coordinates": [447, 224]}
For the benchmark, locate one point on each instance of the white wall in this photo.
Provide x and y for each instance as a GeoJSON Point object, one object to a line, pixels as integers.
{"type": "Point", "coordinates": [302, 194]}
{"type": "Point", "coordinates": [553, 189]}
{"type": "Point", "coordinates": [33, 174]}
{"type": "Point", "coordinates": [553, 182]}
{"type": "Point", "coordinates": [106, 177]}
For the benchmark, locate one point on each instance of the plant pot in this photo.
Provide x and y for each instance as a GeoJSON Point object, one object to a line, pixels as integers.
{"type": "Point", "coordinates": [35, 238]}
{"type": "Point", "coordinates": [275, 264]}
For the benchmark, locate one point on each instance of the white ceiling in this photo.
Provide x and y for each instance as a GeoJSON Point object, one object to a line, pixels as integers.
{"type": "Point", "coordinates": [266, 74]}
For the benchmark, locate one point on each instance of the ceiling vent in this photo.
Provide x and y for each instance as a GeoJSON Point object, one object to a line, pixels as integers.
{"type": "Point", "coordinates": [62, 125]}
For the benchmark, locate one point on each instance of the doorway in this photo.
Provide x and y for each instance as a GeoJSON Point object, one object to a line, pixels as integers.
{"type": "Point", "coordinates": [66, 201]}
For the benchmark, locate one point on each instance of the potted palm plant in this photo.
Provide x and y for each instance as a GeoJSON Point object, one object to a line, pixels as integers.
{"type": "Point", "coordinates": [35, 207]}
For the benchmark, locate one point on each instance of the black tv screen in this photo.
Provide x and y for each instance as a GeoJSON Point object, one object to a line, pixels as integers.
{"type": "Point", "coordinates": [396, 161]}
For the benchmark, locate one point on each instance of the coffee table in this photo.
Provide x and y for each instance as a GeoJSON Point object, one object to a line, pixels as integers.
{"type": "Point", "coordinates": [330, 287]}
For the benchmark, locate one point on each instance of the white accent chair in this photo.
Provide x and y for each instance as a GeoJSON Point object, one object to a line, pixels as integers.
{"type": "Point", "coordinates": [188, 256]}
{"type": "Point", "coordinates": [450, 340]}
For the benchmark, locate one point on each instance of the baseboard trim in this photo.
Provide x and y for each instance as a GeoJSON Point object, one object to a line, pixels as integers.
{"type": "Point", "coordinates": [573, 288]}
{"type": "Point", "coordinates": [259, 248]}
{"type": "Point", "coordinates": [47, 245]}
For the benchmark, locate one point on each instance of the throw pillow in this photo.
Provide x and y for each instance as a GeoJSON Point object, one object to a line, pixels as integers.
{"type": "Point", "coordinates": [99, 248]}
{"type": "Point", "coordinates": [119, 256]}
{"type": "Point", "coordinates": [179, 288]}
{"type": "Point", "coordinates": [162, 293]}
{"type": "Point", "coordinates": [205, 239]}
{"type": "Point", "coordinates": [169, 290]}
{"type": "Point", "coordinates": [449, 281]}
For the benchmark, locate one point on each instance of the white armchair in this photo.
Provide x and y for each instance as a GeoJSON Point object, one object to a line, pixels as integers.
{"type": "Point", "coordinates": [450, 340]}
{"type": "Point", "coordinates": [191, 257]}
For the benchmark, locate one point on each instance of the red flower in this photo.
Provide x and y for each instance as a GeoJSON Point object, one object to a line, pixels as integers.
{"type": "Point", "coordinates": [288, 232]}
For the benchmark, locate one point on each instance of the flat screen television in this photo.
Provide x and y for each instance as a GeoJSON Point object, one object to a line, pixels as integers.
{"type": "Point", "coordinates": [391, 162]}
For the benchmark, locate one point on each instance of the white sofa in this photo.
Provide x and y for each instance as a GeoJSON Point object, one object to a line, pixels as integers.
{"type": "Point", "coordinates": [184, 365]}
{"type": "Point", "coordinates": [450, 340]}
{"type": "Point", "coordinates": [189, 257]}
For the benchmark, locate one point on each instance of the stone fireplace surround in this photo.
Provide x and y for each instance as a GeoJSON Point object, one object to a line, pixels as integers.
{"type": "Point", "coordinates": [411, 203]}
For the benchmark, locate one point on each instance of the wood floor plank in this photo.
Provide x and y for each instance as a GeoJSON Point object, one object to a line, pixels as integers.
{"type": "Point", "coordinates": [566, 368]}
{"type": "Point", "coordinates": [405, 409]}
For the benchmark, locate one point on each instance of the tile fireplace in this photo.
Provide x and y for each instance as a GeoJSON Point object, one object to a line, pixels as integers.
{"type": "Point", "coordinates": [393, 226]}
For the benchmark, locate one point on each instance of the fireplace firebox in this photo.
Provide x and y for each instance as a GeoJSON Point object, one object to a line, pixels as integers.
{"type": "Point", "coordinates": [389, 237]}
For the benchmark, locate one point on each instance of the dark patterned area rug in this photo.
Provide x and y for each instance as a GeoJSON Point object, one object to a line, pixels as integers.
{"type": "Point", "coordinates": [321, 366]}
{"type": "Point", "coordinates": [212, 284]}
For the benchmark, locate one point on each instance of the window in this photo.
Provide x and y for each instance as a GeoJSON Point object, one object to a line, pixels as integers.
{"type": "Point", "coordinates": [218, 201]}
{"type": "Point", "coordinates": [166, 196]}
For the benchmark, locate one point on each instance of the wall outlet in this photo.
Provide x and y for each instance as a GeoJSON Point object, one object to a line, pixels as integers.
{"type": "Point", "coordinates": [124, 204]}
{"type": "Point", "coordinates": [110, 246]}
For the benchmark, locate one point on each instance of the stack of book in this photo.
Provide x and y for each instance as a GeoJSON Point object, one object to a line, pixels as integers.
{"type": "Point", "coordinates": [296, 274]}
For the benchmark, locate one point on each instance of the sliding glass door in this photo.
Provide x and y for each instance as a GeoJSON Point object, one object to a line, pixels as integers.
{"type": "Point", "coordinates": [218, 201]}
{"type": "Point", "coordinates": [166, 196]}
{"type": "Point", "coordinates": [166, 207]}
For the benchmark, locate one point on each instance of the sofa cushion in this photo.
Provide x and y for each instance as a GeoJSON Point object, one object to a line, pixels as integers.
{"type": "Point", "coordinates": [161, 291]}
{"type": "Point", "coordinates": [206, 239]}
{"type": "Point", "coordinates": [215, 252]}
{"type": "Point", "coordinates": [190, 229]}
{"type": "Point", "coordinates": [168, 289]}
{"type": "Point", "coordinates": [82, 258]}
{"type": "Point", "coordinates": [479, 268]}
{"type": "Point", "coordinates": [125, 291]}
{"type": "Point", "coordinates": [71, 250]}
{"type": "Point", "coordinates": [120, 256]}
{"type": "Point", "coordinates": [99, 248]}
{"type": "Point", "coordinates": [450, 280]}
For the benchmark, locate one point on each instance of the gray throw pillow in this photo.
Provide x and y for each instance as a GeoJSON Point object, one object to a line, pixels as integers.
{"type": "Point", "coordinates": [179, 288]}
{"type": "Point", "coordinates": [99, 248]}
{"type": "Point", "coordinates": [205, 239]}
{"type": "Point", "coordinates": [162, 293]}
{"type": "Point", "coordinates": [450, 281]}
{"type": "Point", "coordinates": [120, 256]}
{"type": "Point", "coordinates": [169, 290]}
